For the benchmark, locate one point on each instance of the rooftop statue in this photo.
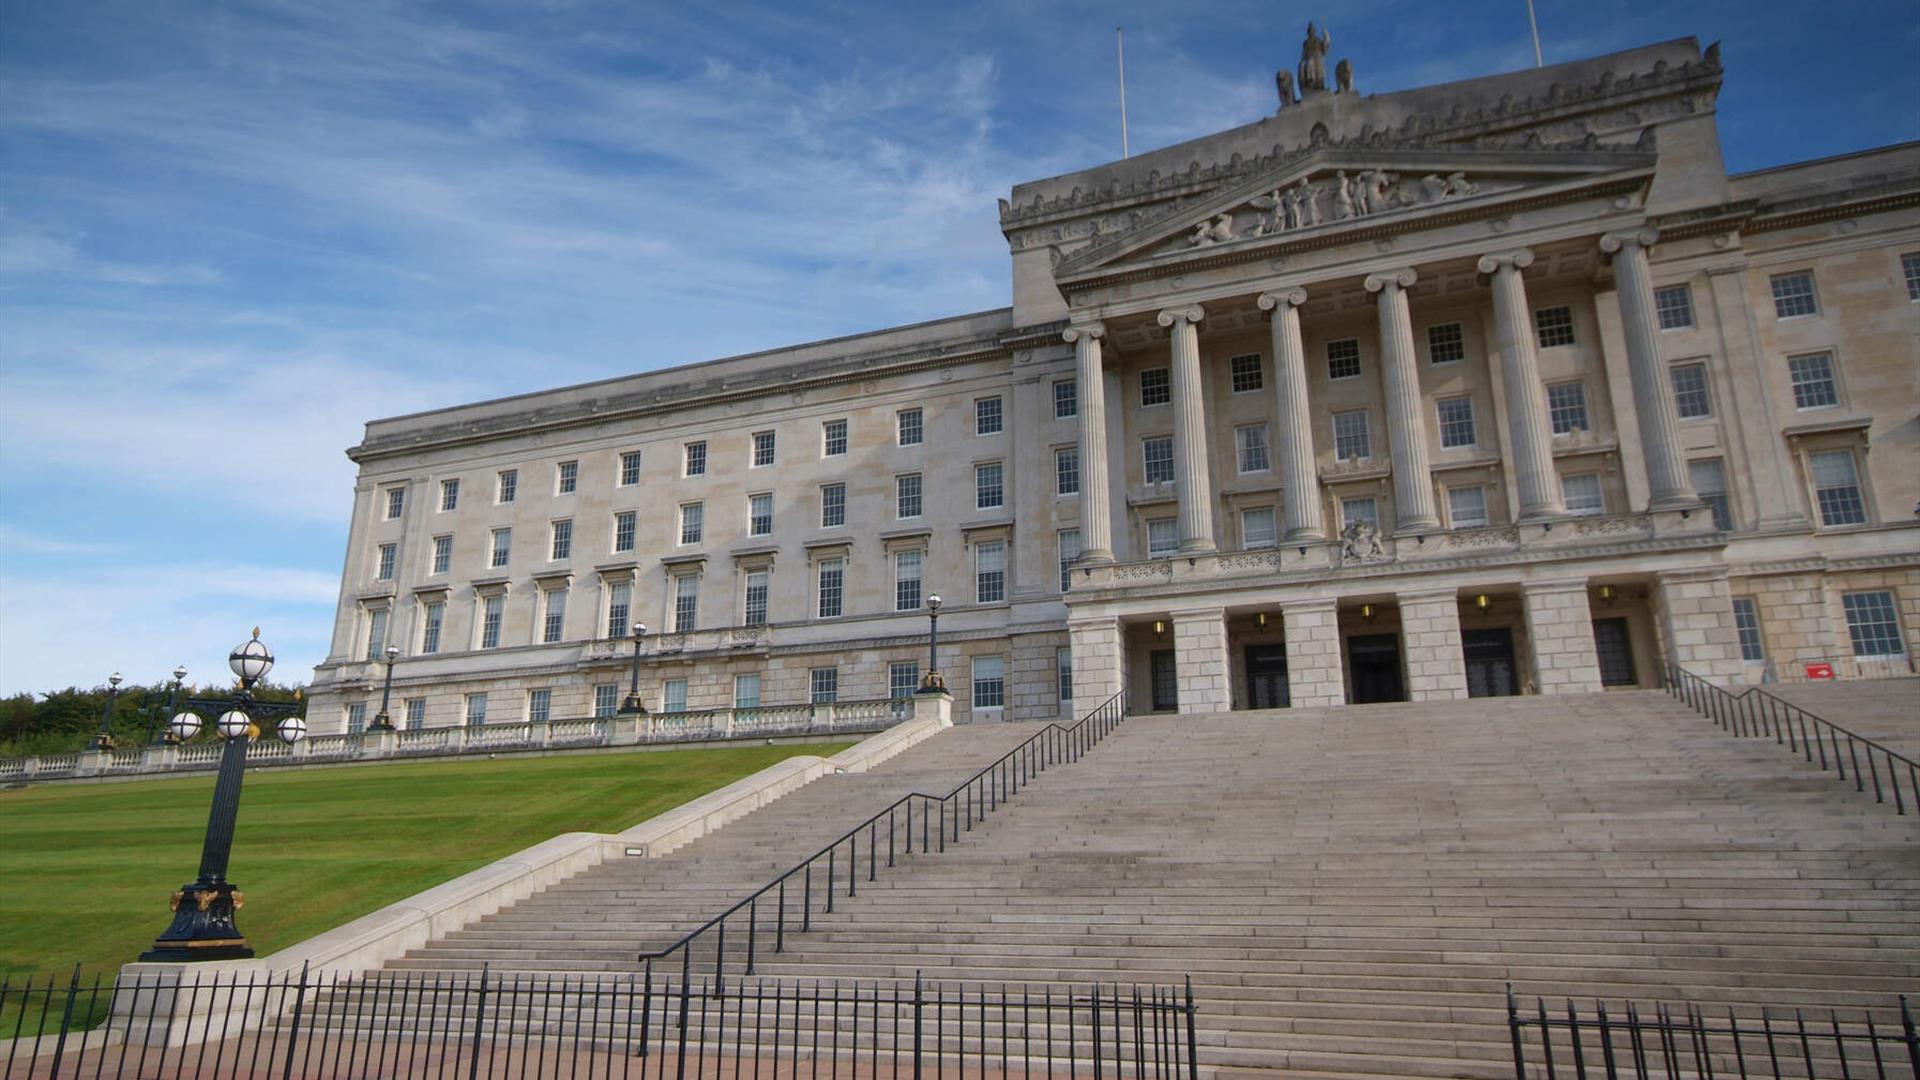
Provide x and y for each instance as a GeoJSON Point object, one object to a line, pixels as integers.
{"type": "Point", "coordinates": [1313, 61]}
{"type": "Point", "coordinates": [1283, 82]}
{"type": "Point", "coordinates": [1343, 77]}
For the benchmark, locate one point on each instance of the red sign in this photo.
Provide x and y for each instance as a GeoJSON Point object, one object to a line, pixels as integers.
{"type": "Point", "coordinates": [1820, 671]}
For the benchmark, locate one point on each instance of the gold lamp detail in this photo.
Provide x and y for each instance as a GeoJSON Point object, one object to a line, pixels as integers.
{"type": "Point", "coordinates": [1483, 602]}
{"type": "Point", "coordinates": [1366, 612]}
{"type": "Point", "coordinates": [1260, 620]}
{"type": "Point", "coordinates": [1606, 595]}
{"type": "Point", "coordinates": [1159, 628]}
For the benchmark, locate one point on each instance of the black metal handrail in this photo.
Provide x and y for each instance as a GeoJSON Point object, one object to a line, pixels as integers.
{"type": "Point", "coordinates": [959, 809]}
{"type": "Point", "coordinates": [1756, 713]}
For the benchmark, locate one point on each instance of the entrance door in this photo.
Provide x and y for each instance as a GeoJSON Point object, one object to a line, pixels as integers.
{"type": "Point", "coordinates": [1374, 660]}
{"type": "Point", "coordinates": [1267, 677]}
{"type": "Point", "coordinates": [1613, 647]}
{"type": "Point", "coordinates": [1166, 684]}
{"type": "Point", "coordinates": [1489, 656]}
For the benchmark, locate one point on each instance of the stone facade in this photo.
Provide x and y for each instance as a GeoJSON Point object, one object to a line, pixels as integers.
{"type": "Point", "coordinates": [1502, 386]}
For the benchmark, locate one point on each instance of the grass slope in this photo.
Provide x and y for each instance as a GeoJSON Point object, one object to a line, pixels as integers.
{"type": "Point", "coordinates": [86, 869]}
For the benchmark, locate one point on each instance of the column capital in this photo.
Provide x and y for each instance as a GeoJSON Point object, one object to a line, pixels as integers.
{"type": "Point", "coordinates": [1273, 298]}
{"type": "Point", "coordinates": [1092, 331]}
{"type": "Point", "coordinates": [1613, 242]}
{"type": "Point", "coordinates": [1188, 313]}
{"type": "Point", "coordinates": [1517, 259]}
{"type": "Point", "coordinates": [1401, 278]}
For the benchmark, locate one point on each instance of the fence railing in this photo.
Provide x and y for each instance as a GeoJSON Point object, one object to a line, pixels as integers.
{"type": "Point", "coordinates": [1755, 713]}
{"type": "Point", "coordinates": [412, 1024]}
{"type": "Point", "coordinates": [1673, 1041]}
{"type": "Point", "coordinates": [891, 831]}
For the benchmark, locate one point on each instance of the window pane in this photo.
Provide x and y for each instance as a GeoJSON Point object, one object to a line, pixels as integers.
{"type": "Point", "coordinates": [1156, 386]}
{"type": "Point", "coordinates": [389, 554]}
{"type": "Point", "coordinates": [697, 458]}
{"type": "Point", "coordinates": [1159, 460]}
{"type": "Point", "coordinates": [1746, 617]}
{"type": "Point", "coordinates": [990, 573]}
{"type": "Point", "coordinates": [1813, 385]}
{"type": "Point", "coordinates": [1583, 495]}
{"type": "Point", "coordinates": [1674, 303]}
{"type": "Point", "coordinates": [624, 524]}
{"type": "Point", "coordinates": [673, 696]}
{"type": "Point", "coordinates": [1553, 326]}
{"type": "Point", "coordinates": [910, 427]}
{"type": "Point", "coordinates": [606, 700]}
{"type": "Point", "coordinates": [832, 582]}
{"type": "Point", "coordinates": [1163, 537]}
{"type": "Point", "coordinates": [450, 494]}
{"type": "Point", "coordinates": [1793, 295]}
{"type": "Point", "coordinates": [509, 485]}
{"type": "Point", "coordinates": [1352, 510]}
{"type": "Point", "coordinates": [756, 606]}
{"type": "Point", "coordinates": [569, 476]}
{"type": "Point", "coordinates": [562, 540]}
{"type": "Point", "coordinates": [1836, 488]}
{"type": "Point", "coordinates": [986, 416]}
{"type": "Point", "coordinates": [1247, 373]}
{"type": "Point", "coordinates": [442, 554]}
{"type": "Point", "coordinates": [833, 506]}
{"type": "Point", "coordinates": [416, 713]}
{"type": "Point", "coordinates": [494, 607]}
{"type": "Point", "coordinates": [1063, 672]}
{"type": "Point", "coordinates": [693, 518]}
{"type": "Point", "coordinates": [1066, 471]}
{"type": "Point", "coordinates": [760, 515]}
{"type": "Point", "coordinates": [1456, 421]}
{"type": "Point", "coordinates": [619, 603]}
{"type": "Point", "coordinates": [762, 448]}
{"type": "Point", "coordinates": [554, 626]}
{"type": "Point", "coordinates": [1567, 407]}
{"type": "Point", "coordinates": [906, 581]}
{"type": "Point", "coordinates": [1910, 266]}
{"type": "Point", "coordinates": [746, 691]}
{"type": "Point", "coordinates": [1709, 479]}
{"type": "Point", "coordinates": [476, 709]}
{"type": "Point", "coordinates": [502, 546]}
{"type": "Point", "coordinates": [1068, 544]}
{"type": "Point", "coordinates": [989, 682]}
{"type": "Point", "coordinates": [686, 602]}
{"type": "Point", "coordinates": [1251, 441]}
{"type": "Point", "coordinates": [1690, 391]}
{"type": "Point", "coordinates": [907, 495]}
{"type": "Point", "coordinates": [903, 678]}
{"type": "Point", "coordinates": [539, 705]}
{"type": "Point", "coordinates": [1445, 343]}
{"type": "Point", "coordinates": [988, 492]}
{"type": "Point", "coordinates": [1257, 527]}
{"type": "Point", "coordinates": [630, 468]}
{"type": "Point", "coordinates": [1873, 624]}
{"type": "Point", "coordinates": [430, 629]}
{"type": "Point", "coordinates": [376, 633]}
{"type": "Point", "coordinates": [1350, 438]}
{"type": "Point", "coordinates": [396, 501]}
{"type": "Point", "coordinates": [1467, 507]}
{"type": "Point", "coordinates": [824, 685]}
{"type": "Point", "coordinates": [834, 438]}
{"type": "Point", "coordinates": [1066, 399]}
{"type": "Point", "coordinates": [1343, 358]}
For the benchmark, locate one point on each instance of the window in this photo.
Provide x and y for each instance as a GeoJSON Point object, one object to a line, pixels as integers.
{"type": "Point", "coordinates": [416, 713]}
{"type": "Point", "coordinates": [502, 547]}
{"type": "Point", "coordinates": [911, 427]}
{"type": "Point", "coordinates": [906, 581]}
{"type": "Point", "coordinates": [492, 608]}
{"type": "Point", "coordinates": [903, 678]}
{"type": "Point", "coordinates": [1836, 488]}
{"type": "Point", "coordinates": [1067, 542]}
{"type": "Point", "coordinates": [696, 458]}
{"type": "Point", "coordinates": [746, 691]}
{"type": "Point", "coordinates": [396, 502]}
{"type": "Point", "coordinates": [507, 485]}
{"type": "Point", "coordinates": [760, 514]}
{"type": "Point", "coordinates": [1674, 305]}
{"type": "Point", "coordinates": [562, 540]}
{"type": "Point", "coordinates": [833, 438]}
{"type": "Point", "coordinates": [989, 682]}
{"type": "Point", "coordinates": [1156, 386]}
{"type": "Point", "coordinates": [686, 602]}
{"type": "Point", "coordinates": [1066, 399]}
{"type": "Point", "coordinates": [376, 633]}
{"type": "Point", "coordinates": [1063, 672]}
{"type": "Point", "coordinates": [430, 628]}
{"type": "Point", "coordinates": [619, 606]}
{"type": "Point", "coordinates": [624, 524]}
{"type": "Point", "coordinates": [1257, 528]}
{"type": "Point", "coordinates": [449, 495]}
{"type": "Point", "coordinates": [1690, 398]}
{"type": "Point", "coordinates": [442, 554]}
{"type": "Point", "coordinates": [1251, 442]}
{"type": "Point", "coordinates": [833, 506]}
{"type": "Point", "coordinates": [1813, 385]}
{"type": "Point", "coordinates": [539, 705]}
{"type": "Point", "coordinates": [1567, 407]}
{"type": "Point", "coordinates": [833, 575]}
{"type": "Point", "coordinates": [823, 685]}
{"type": "Point", "coordinates": [673, 696]}
{"type": "Point", "coordinates": [568, 477]}
{"type": "Point", "coordinates": [1746, 619]}
{"type": "Point", "coordinates": [1367, 510]}
{"type": "Point", "coordinates": [906, 495]}
{"type": "Point", "coordinates": [756, 613]}
{"type": "Point", "coordinates": [1157, 454]}
{"type": "Point", "coordinates": [1066, 471]}
{"type": "Point", "coordinates": [1910, 266]}
{"type": "Point", "coordinates": [1446, 343]}
{"type": "Point", "coordinates": [356, 717]}
{"type": "Point", "coordinates": [1467, 507]}
{"type": "Point", "coordinates": [1163, 538]}
{"type": "Point", "coordinates": [762, 448]}
{"type": "Point", "coordinates": [1456, 421]}
{"type": "Point", "coordinates": [1553, 326]}
{"type": "Point", "coordinates": [1613, 648]}
{"type": "Point", "coordinates": [606, 700]}
{"type": "Point", "coordinates": [1247, 373]}
{"type": "Point", "coordinates": [986, 416]}
{"type": "Point", "coordinates": [389, 554]}
{"type": "Point", "coordinates": [990, 573]}
{"type": "Point", "coordinates": [1583, 495]}
{"type": "Point", "coordinates": [476, 710]}
{"type": "Point", "coordinates": [1793, 295]}
{"type": "Point", "coordinates": [1343, 358]}
{"type": "Point", "coordinates": [988, 491]}
{"type": "Point", "coordinates": [630, 468]}
{"type": "Point", "coordinates": [693, 519]}
{"type": "Point", "coordinates": [1709, 479]}
{"type": "Point", "coordinates": [1350, 439]}
{"type": "Point", "coordinates": [553, 627]}
{"type": "Point", "coordinates": [1872, 623]}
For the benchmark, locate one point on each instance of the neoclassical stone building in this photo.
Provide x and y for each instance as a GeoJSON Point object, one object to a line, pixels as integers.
{"type": "Point", "coordinates": [1501, 386]}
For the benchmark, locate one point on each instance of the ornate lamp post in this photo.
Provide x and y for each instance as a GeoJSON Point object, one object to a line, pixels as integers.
{"type": "Point", "coordinates": [104, 740]}
{"type": "Point", "coordinates": [173, 696]}
{"type": "Point", "coordinates": [382, 722]}
{"type": "Point", "coordinates": [632, 706]}
{"type": "Point", "coordinates": [203, 926]}
{"type": "Point", "coordinates": [933, 683]}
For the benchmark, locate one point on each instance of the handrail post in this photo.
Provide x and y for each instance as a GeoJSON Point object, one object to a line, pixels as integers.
{"type": "Point", "coordinates": [479, 1023]}
{"type": "Point", "coordinates": [1513, 1033]}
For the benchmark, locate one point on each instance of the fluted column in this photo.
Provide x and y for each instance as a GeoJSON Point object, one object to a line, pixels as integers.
{"type": "Point", "coordinates": [1296, 422]}
{"type": "Point", "coordinates": [1530, 432]}
{"type": "Point", "coordinates": [1096, 533]}
{"type": "Point", "coordinates": [1190, 430]}
{"type": "Point", "coordinates": [1406, 417]}
{"type": "Point", "coordinates": [1668, 485]}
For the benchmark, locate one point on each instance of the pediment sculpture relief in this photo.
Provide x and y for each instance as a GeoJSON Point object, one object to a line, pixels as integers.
{"type": "Point", "coordinates": [1339, 198]}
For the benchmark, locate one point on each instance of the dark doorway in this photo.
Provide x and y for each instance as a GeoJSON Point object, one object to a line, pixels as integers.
{"type": "Point", "coordinates": [1489, 656]}
{"type": "Point", "coordinates": [1613, 646]}
{"type": "Point", "coordinates": [1374, 660]}
{"type": "Point", "coordinates": [1267, 677]}
{"type": "Point", "coordinates": [1166, 683]}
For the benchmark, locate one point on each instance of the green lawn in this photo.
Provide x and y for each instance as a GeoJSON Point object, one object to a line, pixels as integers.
{"type": "Point", "coordinates": [86, 869]}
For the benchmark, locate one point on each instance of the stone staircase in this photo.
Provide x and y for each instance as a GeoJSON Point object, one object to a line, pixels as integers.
{"type": "Point", "coordinates": [1350, 888]}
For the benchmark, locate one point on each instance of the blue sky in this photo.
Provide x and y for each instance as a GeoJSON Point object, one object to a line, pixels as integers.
{"type": "Point", "coordinates": [230, 234]}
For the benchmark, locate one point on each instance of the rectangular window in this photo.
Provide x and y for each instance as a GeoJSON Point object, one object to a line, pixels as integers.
{"type": "Point", "coordinates": [906, 581]}
{"type": "Point", "coordinates": [1583, 495]}
{"type": "Point", "coordinates": [1793, 295]}
{"type": "Point", "coordinates": [1257, 528]}
{"type": "Point", "coordinates": [491, 610]}
{"type": "Point", "coordinates": [1836, 488]}
{"type": "Point", "coordinates": [1067, 542]}
{"type": "Point", "coordinates": [1910, 266]}
{"type": "Point", "coordinates": [746, 691]}
{"type": "Point", "coordinates": [356, 717]}
{"type": "Point", "coordinates": [762, 449]}
{"type": "Point", "coordinates": [376, 633]}
{"type": "Point", "coordinates": [1251, 443]}
{"type": "Point", "coordinates": [823, 685]}
{"type": "Point", "coordinates": [430, 628]}
{"type": "Point", "coordinates": [507, 485]}
{"type": "Point", "coordinates": [989, 682]}
{"type": "Point", "coordinates": [449, 495]}
{"type": "Point", "coordinates": [1066, 471]}
{"type": "Point", "coordinates": [1066, 399]}
{"type": "Point", "coordinates": [990, 573]}
{"type": "Point", "coordinates": [833, 506]}
{"type": "Point", "coordinates": [1746, 619]}
{"type": "Point", "coordinates": [606, 700]}
{"type": "Point", "coordinates": [389, 555]}
{"type": "Point", "coordinates": [553, 627]}
{"type": "Point", "coordinates": [1872, 623]}
{"type": "Point", "coordinates": [442, 554]}
{"type": "Point", "coordinates": [567, 477]}
{"type": "Point", "coordinates": [1247, 373]}
{"type": "Point", "coordinates": [833, 575]}
{"type": "Point", "coordinates": [396, 502]}
{"type": "Point", "coordinates": [1613, 648]}
{"type": "Point", "coordinates": [760, 514]}
{"type": "Point", "coordinates": [416, 713]}
{"type": "Point", "coordinates": [630, 468]}
{"type": "Point", "coordinates": [1157, 456]}
{"type": "Point", "coordinates": [988, 491]}
{"type": "Point", "coordinates": [476, 710]}
{"type": "Point", "coordinates": [1690, 398]}
{"type": "Point", "coordinates": [502, 547]}
{"type": "Point", "coordinates": [911, 427]}
{"type": "Point", "coordinates": [1567, 407]}
{"type": "Point", "coordinates": [1063, 672]}
{"type": "Point", "coordinates": [1156, 386]}
{"type": "Point", "coordinates": [1163, 538]}
{"type": "Point", "coordinates": [1674, 305]}
{"type": "Point", "coordinates": [1813, 385]}
{"type": "Point", "coordinates": [1446, 343]}
{"type": "Point", "coordinates": [540, 706]}
{"type": "Point", "coordinates": [1343, 358]}
{"type": "Point", "coordinates": [696, 455]}
{"type": "Point", "coordinates": [986, 416]}
{"type": "Point", "coordinates": [1352, 510]}
{"type": "Point", "coordinates": [1709, 478]}
{"type": "Point", "coordinates": [1351, 441]}
{"type": "Point", "coordinates": [903, 678]}
{"type": "Point", "coordinates": [619, 609]}
{"type": "Point", "coordinates": [756, 613]}
{"type": "Point", "coordinates": [833, 438]}
{"type": "Point", "coordinates": [906, 495]}
{"type": "Point", "coordinates": [562, 540]}
{"type": "Point", "coordinates": [1467, 507]}
{"type": "Point", "coordinates": [693, 521]}
{"type": "Point", "coordinates": [624, 524]}
{"type": "Point", "coordinates": [673, 696]}
{"type": "Point", "coordinates": [1456, 421]}
{"type": "Point", "coordinates": [686, 602]}
{"type": "Point", "coordinates": [1553, 326]}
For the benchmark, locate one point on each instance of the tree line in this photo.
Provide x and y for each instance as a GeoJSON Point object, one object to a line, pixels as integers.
{"type": "Point", "coordinates": [62, 721]}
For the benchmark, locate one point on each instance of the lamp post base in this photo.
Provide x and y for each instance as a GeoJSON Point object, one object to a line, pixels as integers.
{"type": "Point", "coordinates": [632, 706]}
{"type": "Point", "coordinates": [203, 928]}
{"type": "Point", "coordinates": [381, 723]}
{"type": "Point", "coordinates": [934, 683]}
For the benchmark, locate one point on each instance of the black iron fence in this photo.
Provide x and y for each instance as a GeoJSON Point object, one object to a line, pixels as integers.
{"type": "Point", "coordinates": [1755, 713]}
{"type": "Point", "coordinates": [1673, 1041]}
{"type": "Point", "coordinates": [632, 1026]}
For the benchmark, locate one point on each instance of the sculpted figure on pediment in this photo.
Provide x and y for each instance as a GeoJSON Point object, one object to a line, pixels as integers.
{"type": "Point", "coordinates": [1342, 196]}
{"type": "Point", "coordinates": [1309, 214]}
{"type": "Point", "coordinates": [1458, 186]}
{"type": "Point", "coordinates": [1219, 229]}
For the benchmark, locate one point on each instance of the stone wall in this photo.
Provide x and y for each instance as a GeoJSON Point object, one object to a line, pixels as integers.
{"type": "Point", "coordinates": [1694, 612]}
{"type": "Point", "coordinates": [1200, 659]}
{"type": "Point", "coordinates": [1313, 654]}
{"type": "Point", "coordinates": [1560, 625]}
{"type": "Point", "coordinates": [1430, 637]}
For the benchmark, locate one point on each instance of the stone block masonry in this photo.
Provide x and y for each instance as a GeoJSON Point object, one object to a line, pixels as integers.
{"type": "Point", "coordinates": [1098, 671]}
{"type": "Point", "coordinates": [1430, 630]}
{"type": "Point", "coordinates": [1313, 654]}
{"type": "Point", "coordinates": [1200, 659]}
{"type": "Point", "coordinates": [1695, 617]}
{"type": "Point", "coordinates": [1560, 625]}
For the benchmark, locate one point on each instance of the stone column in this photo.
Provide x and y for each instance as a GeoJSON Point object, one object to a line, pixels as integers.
{"type": "Point", "coordinates": [1406, 414]}
{"type": "Point", "coordinates": [1297, 470]}
{"type": "Point", "coordinates": [1096, 534]}
{"type": "Point", "coordinates": [1560, 628]}
{"type": "Point", "coordinates": [1099, 661]}
{"type": "Point", "coordinates": [1314, 673]}
{"type": "Point", "coordinates": [1535, 478]}
{"type": "Point", "coordinates": [1695, 610]}
{"type": "Point", "coordinates": [1200, 660]}
{"type": "Point", "coordinates": [1430, 633]}
{"type": "Point", "coordinates": [1190, 431]}
{"type": "Point", "coordinates": [1668, 486]}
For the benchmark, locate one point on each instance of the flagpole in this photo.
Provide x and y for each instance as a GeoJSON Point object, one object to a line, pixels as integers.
{"type": "Point", "coordinates": [1120, 45]}
{"type": "Point", "coordinates": [1533, 24]}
